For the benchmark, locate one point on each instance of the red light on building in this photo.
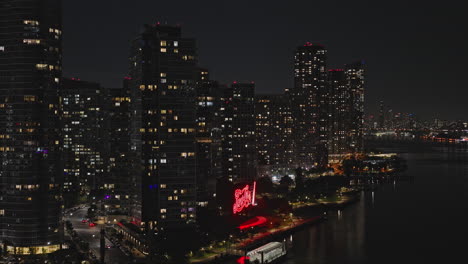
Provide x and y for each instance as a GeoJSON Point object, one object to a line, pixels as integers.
{"type": "Point", "coordinates": [243, 198]}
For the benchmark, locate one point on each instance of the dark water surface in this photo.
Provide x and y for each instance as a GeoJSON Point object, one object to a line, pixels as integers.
{"type": "Point", "coordinates": [424, 221]}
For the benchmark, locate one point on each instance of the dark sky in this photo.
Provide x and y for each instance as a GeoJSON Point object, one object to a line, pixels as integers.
{"type": "Point", "coordinates": [416, 53]}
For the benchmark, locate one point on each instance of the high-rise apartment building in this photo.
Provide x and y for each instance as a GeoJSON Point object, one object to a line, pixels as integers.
{"type": "Point", "coordinates": [310, 105]}
{"type": "Point", "coordinates": [163, 76]}
{"type": "Point", "coordinates": [238, 142]}
{"type": "Point", "coordinates": [274, 128]}
{"type": "Point", "coordinates": [83, 134]}
{"type": "Point", "coordinates": [340, 107]}
{"type": "Point", "coordinates": [355, 80]}
{"type": "Point", "coordinates": [346, 109]}
{"type": "Point", "coordinates": [30, 173]}
{"type": "Point", "coordinates": [118, 186]}
{"type": "Point", "coordinates": [208, 137]}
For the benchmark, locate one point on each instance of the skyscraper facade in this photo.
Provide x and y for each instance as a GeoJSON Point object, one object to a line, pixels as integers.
{"type": "Point", "coordinates": [238, 142]}
{"type": "Point", "coordinates": [30, 173]}
{"type": "Point", "coordinates": [340, 107]}
{"type": "Point", "coordinates": [309, 102]}
{"type": "Point", "coordinates": [274, 127]}
{"type": "Point", "coordinates": [163, 128]}
{"type": "Point", "coordinates": [118, 186]}
{"type": "Point", "coordinates": [208, 152]}
{"type": "Point", "coordinates": [355, 80]}
{"type": "Point", "coordinates": [83, 134]}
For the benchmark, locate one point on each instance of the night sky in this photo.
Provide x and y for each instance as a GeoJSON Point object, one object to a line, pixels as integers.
{"type": "Point", "coordinates": [416, 54]}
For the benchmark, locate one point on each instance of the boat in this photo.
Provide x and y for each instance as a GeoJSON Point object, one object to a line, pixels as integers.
{"type": "Point", "coordinates": [268, 253]}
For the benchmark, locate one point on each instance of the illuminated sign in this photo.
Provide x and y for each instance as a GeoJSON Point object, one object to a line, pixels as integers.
{"type": "Point", "coordinates": [243, 198]}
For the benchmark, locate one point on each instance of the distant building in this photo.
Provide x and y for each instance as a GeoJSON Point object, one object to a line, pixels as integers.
{"type": "Point", "coordinates": [310, 105]}
{"type": "Point", "coordinates": [119, 187]}
{"type": "Point", "coordinates": [238, 142]}
{"type": "Point", "coordinates": [163, 76]}
{"type": "Point", "coordinates": [340, 112]}
{"type": "Point", "coordinates": [381, 119]}
{"type": "Point", "coordinates": [83, 140]}
{"type": "Point", "coordinates": [355, 80]}
{"type": "Point", "coordinates": [274, 130]}
{"type": "Point", "coordinates": [346, 109]}
{"type": "Point", "coordinates": [208, 137]}
{"type": "Point", "coordinates": [30, 172]}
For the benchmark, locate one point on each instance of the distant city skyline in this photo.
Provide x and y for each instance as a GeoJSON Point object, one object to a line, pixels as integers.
{"type": "Point", "coordinates": [408, 48]}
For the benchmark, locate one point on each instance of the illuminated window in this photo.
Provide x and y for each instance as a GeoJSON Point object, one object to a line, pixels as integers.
{"type": "Point", "coordinates": [163, 43]}
{"type": "Point", "coordinates": [163, 211]}
{"type": "Point", "coordinates": [31, 41]}
{"type": "Point", "coordinates": [163, 50]}
{"type": "Point", "coordinates": [41, 66]}
{"type": "Point", "coordinates": [31, 22]}
{"type": "Point", "coordinates": [163, 186]}
{"type": "Point", "coordinates": [176, 43]}
{"type": "Point", "coordinates": [29, 98]}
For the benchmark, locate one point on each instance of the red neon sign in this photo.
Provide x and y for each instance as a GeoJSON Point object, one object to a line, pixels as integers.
{"type": "Point", "coordinates": [243, 198]}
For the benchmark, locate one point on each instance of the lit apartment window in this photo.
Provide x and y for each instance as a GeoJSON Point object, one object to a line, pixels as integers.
{"type": "Point", "coordinates": [31, 41]}
{"type": "Point", "coordinates": [31, 22]}
{"type": "Point", "coordinates": [163, 50]}
{"type": "Point", "coordinates": [163, 43]}
{"type": "Point", "coordinates": [41, 66]}
{"type": "Point", "coordinates": [29, 98]}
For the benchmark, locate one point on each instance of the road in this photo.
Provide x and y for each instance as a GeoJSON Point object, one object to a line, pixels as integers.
{"type": "Point", "coordinates": [92, 236]}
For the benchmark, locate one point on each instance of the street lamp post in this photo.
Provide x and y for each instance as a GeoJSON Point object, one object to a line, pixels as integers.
{"type": "Point", "coordinates": [103, 246]}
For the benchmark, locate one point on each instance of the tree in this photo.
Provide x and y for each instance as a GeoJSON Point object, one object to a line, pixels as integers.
{"type": "Point", "coordinates": [299, 180]}
{"type": "Point", "coordinates": [348, 166]}
{"type": "Point", "coordinates": [264, 185]}
{"type": "Point", "coordinates": [175, 243]}
{"type": "Point", "coordinates": [285, 183]}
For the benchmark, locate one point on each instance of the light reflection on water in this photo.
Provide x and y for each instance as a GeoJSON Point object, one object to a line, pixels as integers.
{"type": "Point", "coordinates": [401, 222]}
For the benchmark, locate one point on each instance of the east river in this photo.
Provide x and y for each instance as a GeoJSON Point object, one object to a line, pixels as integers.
{"type": "Point", "coordinates": [419, 221]}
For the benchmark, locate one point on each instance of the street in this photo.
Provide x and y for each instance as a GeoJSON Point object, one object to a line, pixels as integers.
{"type": "Point", "coordinates": [92, 235]}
